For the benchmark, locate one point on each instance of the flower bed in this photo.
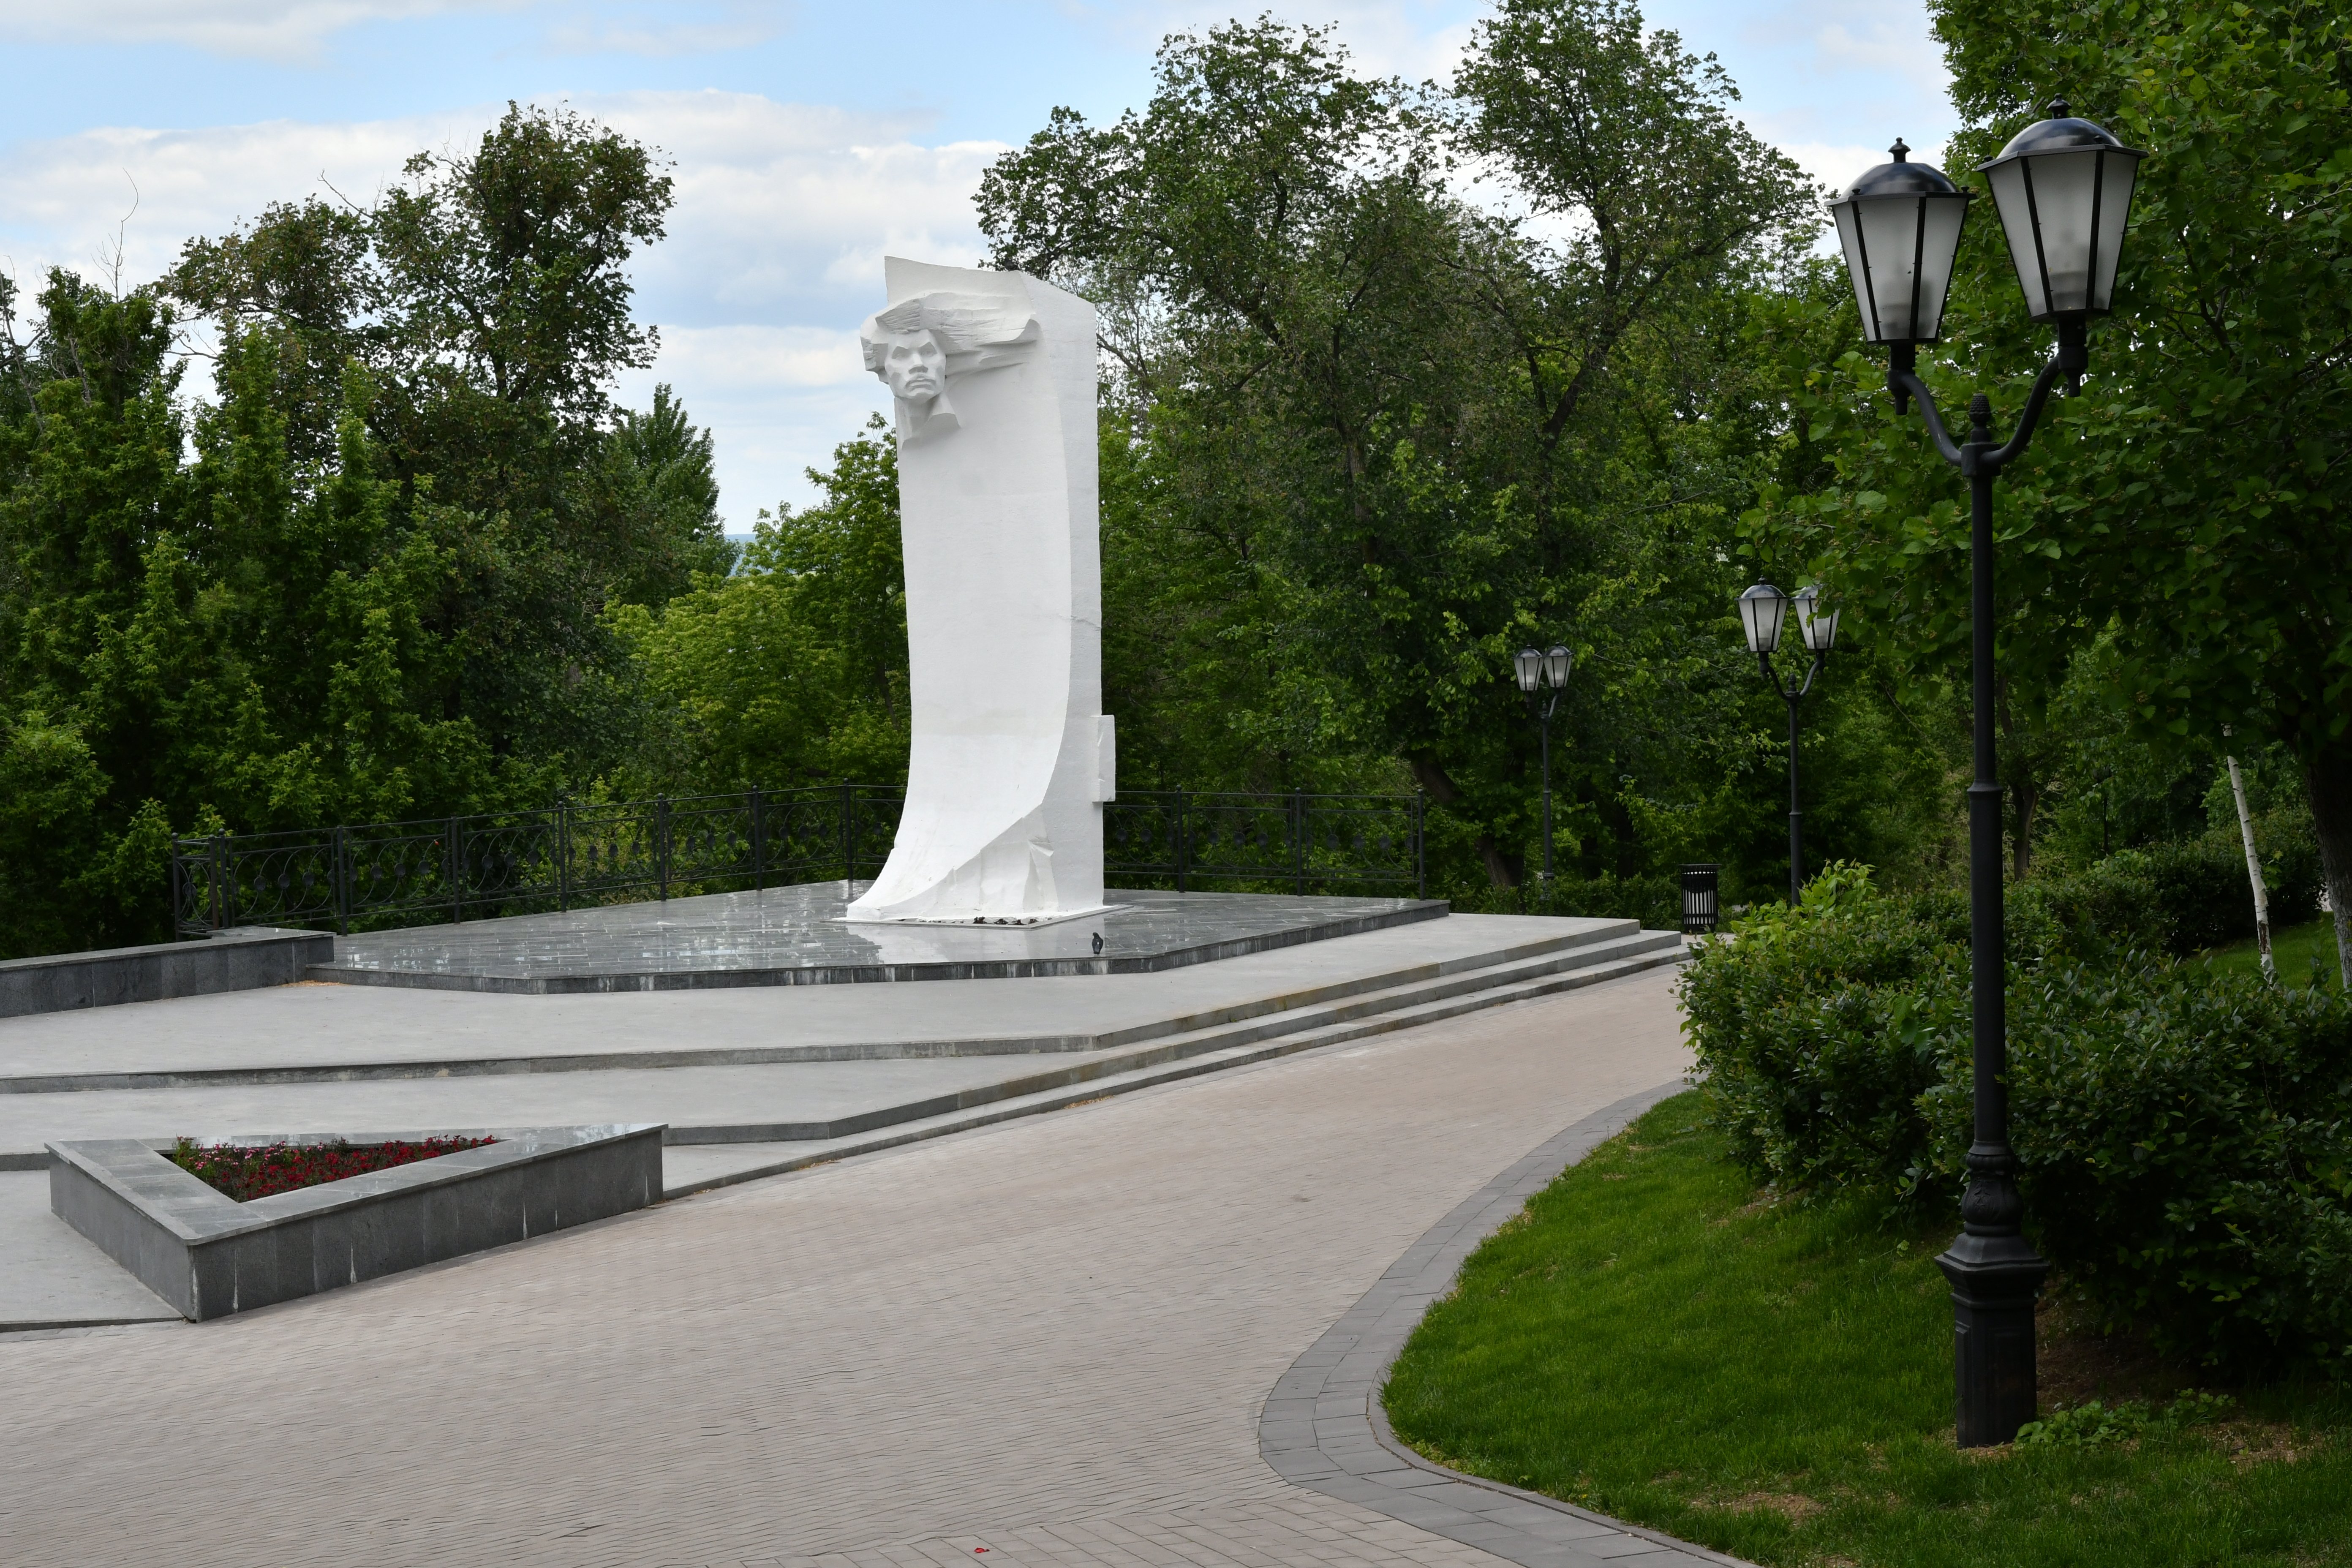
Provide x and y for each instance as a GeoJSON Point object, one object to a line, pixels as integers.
{"type": "Point", "coordinates": [248, 1172]}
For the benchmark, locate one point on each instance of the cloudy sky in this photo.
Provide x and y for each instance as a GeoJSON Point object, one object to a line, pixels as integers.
{"type": "Point", "coordinates": [810, 138]}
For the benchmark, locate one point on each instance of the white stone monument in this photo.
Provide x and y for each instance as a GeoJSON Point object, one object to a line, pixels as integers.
{"type": "Point", "coordinates": [994, 377]}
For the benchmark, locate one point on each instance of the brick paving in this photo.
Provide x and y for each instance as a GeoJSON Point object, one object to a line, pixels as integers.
{"type": "Point", "coordinates": [1049, 1339]}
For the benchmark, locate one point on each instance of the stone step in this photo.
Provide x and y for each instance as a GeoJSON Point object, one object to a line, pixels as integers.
{"type": "Point", "coordinates": [692, 1167]}
{"type": "Point", "coordinates": [1563, 947]}
{"type": "Point", "coordinates": [1368, 1013]}
{"type": "Point", "coordinates": [1434, 992]}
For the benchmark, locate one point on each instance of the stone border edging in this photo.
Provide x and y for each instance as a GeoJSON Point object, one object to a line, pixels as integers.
{"type": "Point", "coordinates": [243, 958]}
{"type": "Point", "coordinates": [208, 1255]}
{"type": "Point", "coordinates": [1322, 1426]}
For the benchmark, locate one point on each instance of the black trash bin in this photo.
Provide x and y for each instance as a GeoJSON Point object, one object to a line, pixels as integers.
{"type": "Point", "coordinates": [1701, 912]}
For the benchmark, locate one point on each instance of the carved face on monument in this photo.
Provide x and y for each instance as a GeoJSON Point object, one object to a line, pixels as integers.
{"type": "Point", "coordinates": [922, 346]}
{"type": "Point", "coordinates": [916, 366]}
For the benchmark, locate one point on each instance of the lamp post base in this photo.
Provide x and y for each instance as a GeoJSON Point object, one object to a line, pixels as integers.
{"type": "Point", "coordinates": [1995, 1280]}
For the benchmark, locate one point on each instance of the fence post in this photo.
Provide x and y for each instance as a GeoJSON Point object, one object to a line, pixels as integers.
{"type": "Point", "coordinates": [1184, 837]}
{"type": "Point", "coordinates": [339, 874]}
{"type": "Point", "coordinates": [1298, 836]}
{"type": "Point", "coordinates": [1420, 862]}
{"type": "Point", "coordinates": [178, 892]}
{"type": "Point", "coordinates": [564, 852]}
{"type": "Point", "coordinates": [661, 843]}
{"type": "Point", "coordinates": [848, 837]}
{"type": "Point", "coordinates": [220, 902]}
{"type": "Point", "coordinates": [759, 842]}
{"type": "Point", "coordinates": [457, 875]}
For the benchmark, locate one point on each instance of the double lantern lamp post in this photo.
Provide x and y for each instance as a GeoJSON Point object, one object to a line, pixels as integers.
{"type": "Point", "coordinates": [2063, 188]}
{"type": "Point", "coordinates": [1538, 669]}
{"type": "Point", "coordinates": [1762, 611]}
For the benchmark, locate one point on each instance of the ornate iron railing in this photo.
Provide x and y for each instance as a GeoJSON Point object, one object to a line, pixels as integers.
{"type": "Point", "coordinates": [574, 855]}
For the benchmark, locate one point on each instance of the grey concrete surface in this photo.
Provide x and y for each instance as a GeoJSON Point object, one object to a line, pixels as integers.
{"type": "Point", "coordinates": [1323, 1427]}
{"type": "Point", "coordinates": [773, 1116]}
{"type": "Point", "coordinates": [795, 936]}
{"type": "Point", "coordinates": [808, 1097]}
{"type": "Point", "coordinates": [209, 1255]}
{"type": "Point", "coordinates": [351, 1028]}
{"type": "Point", "coordinates": [1049, 1339]}
{"type": "Point", "coordinates": [239, 960]}
{"type": "Point", "coordinates": [51, 1276]}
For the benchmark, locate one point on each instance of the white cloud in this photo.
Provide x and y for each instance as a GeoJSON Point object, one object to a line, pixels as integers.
{"type": "Point", "coordinates": [777, 399]}
{"type": "Point", "coordinates": [785, 211]}
{"type": "Point", "coordinates": [1832, 164]}
{"type": "Point", "coordinates": [667, 28]}
{"type": "Point", "coordinates": [60, 200]}
{"type": "Point", "coordinates": [295, 32]}
{"type": "Point", "coordinates": [784, 214]}
{"type": "Point", "coordinates": [290, 30]}
{"type": "Point", "coordinates": [1416, 39]}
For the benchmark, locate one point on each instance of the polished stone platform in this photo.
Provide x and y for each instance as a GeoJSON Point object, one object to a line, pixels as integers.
{"type": "Point", "coordinates": [796, 936]}
{"type": "Point", "coordinates": [751, 1081]}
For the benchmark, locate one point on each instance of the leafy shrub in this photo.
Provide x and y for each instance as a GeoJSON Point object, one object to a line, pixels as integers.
{"type": "Point", "coordinates": [2184, 897]}
{"type": "Point", "coordinates": [2094, 1424]}
{"type": "Point", "coordinates": [2185, 1145]}
{"type": "Point", "coordinates": [2114, 904]}
{"type": "Point", "coordinates": [1818, 1029]}
{"type": "Point", "coordinates": [2185, 1137]}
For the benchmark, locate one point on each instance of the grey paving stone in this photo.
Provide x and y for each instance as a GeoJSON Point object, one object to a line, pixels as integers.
{"type": "Point", "coordinates": [1372, 1470]}
{"type": "Point", "coordinates": [1065, 1322]}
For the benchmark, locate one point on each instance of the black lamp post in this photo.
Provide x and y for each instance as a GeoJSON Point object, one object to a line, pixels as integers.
{"type": "Point", "coordinates": [2063, 187]}
{"type": "Point", "coordinates": [1762, 611]}
{"type": "Point", "coordinates": [1538, 671]}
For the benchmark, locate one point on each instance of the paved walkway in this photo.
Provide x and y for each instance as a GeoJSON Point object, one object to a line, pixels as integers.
{"type": "Point", "coordinates": [1051, 1339]}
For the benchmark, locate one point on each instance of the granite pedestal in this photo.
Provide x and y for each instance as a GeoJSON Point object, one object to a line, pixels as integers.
{"type": "Point", "coordinates": [796, 936]}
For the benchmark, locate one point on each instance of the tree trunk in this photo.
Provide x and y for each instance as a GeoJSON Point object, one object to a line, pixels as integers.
{"type": "Point", "coordinates": [2254, 871]}
{"type": "Point", "coordinates": [1503, 869]}
{"type": "Point", "coordinates": [2327, 775]}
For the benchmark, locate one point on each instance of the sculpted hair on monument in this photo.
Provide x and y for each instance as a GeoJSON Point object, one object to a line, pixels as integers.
{"type": "Point", "coordinates": [975, 332]}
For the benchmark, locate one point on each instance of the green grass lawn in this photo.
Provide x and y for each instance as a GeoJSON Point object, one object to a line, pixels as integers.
{"type": "Point", "coordinates": [1775, 1382]}
{"type": "Point", "coordinates": [2292, 952]}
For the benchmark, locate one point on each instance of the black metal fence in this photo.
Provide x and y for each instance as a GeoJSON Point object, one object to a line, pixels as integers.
{"type": "Point", "coordinates": [574, 855]}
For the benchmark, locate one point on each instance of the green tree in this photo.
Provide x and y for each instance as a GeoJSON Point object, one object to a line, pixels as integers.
{"type": "Point", "coordinates": [794, 670]}
{"type": "Point", "coordinates": [1369, 439]}
{"type": "Point", "coordinates": [489, 300]}
{"type": "Point", "coordinates": [2190, 505]}
{"type": "Point", "coordinates": [369, 579]}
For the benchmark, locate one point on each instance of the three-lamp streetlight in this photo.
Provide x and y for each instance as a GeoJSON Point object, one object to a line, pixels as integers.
{"type": "Point", "coordinates": [1763, 609]}
{"type": "Point", "coordinates": [1539, 670]}
{"type": "Point", "coordinates": [2063, 188]}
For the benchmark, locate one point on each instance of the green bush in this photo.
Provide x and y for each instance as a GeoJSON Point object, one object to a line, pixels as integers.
{"type": "Point", "coordinates": [2185, 1136]}
{"type": "Point", "coordinates": [1818, 1029]}
{"type": "Point", "coordinates": [2185, 1145]}
{"type": "Point", "coordinates": [2183, 896]}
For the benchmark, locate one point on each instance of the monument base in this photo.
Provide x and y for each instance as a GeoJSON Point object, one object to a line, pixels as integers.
{"type": "Point", "coordinates": [799, 935]}
{"type": "Point", "coordinates": [1053, 919]}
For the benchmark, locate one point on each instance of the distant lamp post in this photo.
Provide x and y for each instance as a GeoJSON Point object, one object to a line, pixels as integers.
{"type": "Point", "coordinates": [1763, 612]}
{"type": "Point", "coordinates": [1539, 670]}
{"type": "Point", "coordinates": [2063, 187]}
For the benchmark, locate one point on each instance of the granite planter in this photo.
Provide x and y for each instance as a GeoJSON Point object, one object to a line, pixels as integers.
{"type": "Point", "coordinates": [209, 1256]}
{"type": "Point", "coordinates": [238, 960]}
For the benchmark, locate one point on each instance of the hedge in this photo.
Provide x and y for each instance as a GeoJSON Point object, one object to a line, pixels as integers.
{"type": "Point", "coordinates": [2185, 1136]}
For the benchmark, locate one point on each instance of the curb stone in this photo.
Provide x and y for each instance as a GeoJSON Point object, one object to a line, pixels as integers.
{"type": "Point", "coordinates": [1322, 1426]}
